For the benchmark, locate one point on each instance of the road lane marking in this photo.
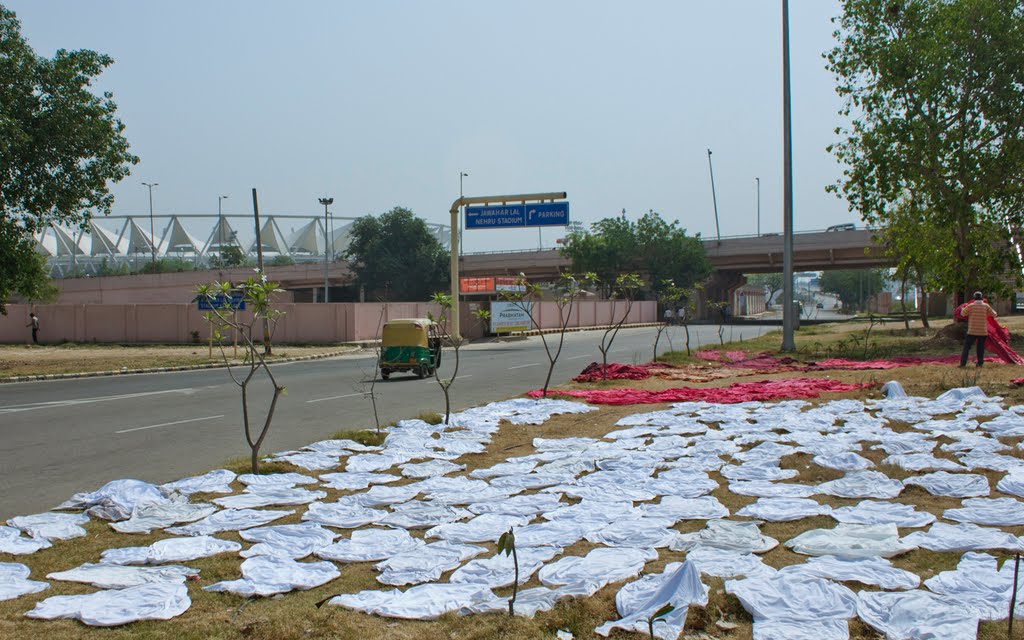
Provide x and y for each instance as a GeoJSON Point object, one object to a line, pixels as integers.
{"type": "Point", "coordinates": [432, 379]}
{"type": "Point", "coordinates": [578, 357]}
{"type": "Point", "coordinates": [56, 404]}
{"type": "Point", "coordinates": [523, 366]}
{"type": "Point", "coordinates": [168, 424]}
{"type": "Point", "coordinates": [350, 395]}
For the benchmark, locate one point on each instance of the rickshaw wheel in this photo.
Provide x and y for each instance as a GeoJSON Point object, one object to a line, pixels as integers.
{"type": "Point", "coordinates": [384, 373]}
{"type": "Point", "coordinates": [422, 371]}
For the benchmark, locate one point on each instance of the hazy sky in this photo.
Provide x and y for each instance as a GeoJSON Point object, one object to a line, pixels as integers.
{"type": "Point", "coordinates": [383, 103]}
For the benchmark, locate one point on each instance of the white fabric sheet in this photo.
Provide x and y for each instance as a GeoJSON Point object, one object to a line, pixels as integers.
{"type": "Point", "coordinates": [992, 511]}
{"type": "Point", "coordinates": [311, 460]}
{"type": "Point", "coordinates": [863, 484]}
{"type": "Point", "coordinates": [171, 550]}
{"type": "Point", "coordinates": [599, 567]}
{"type": "Point", "coordinates": [979, 584]}
{"type": "Point", "coordinates": [216, 481]}
{"type": "Point", "coordinates": [676, 508]}
{"type": "Point", "coordinates": [528, 602]}
{"type": "Point", "coordinates": [952, 485]}
{"type": "Point", "coordinates": [116, 499]}
{"type": "Point", "coordinates": [921, 462]}
{"type": "Point", "coordinates": [425, 564]}
{"type": "Point", "coordinates": [342, 514]}
{"type": "Point", "coordinates": [114, 607]}
{"type": "Point", "coordinates": [637, 601]}
{"type": "Point", "coordinates": [269, 496]}
{"type": "Point", "coordinates": [828, 629]}
{"type": "Point", "coordinates": [647, 533]}
{"type": "Point", "coordinates": [14, 581]}
{"type": "Point", "coordinates": [1012, 483]}
{"type": "Point", "coordinates": [422, 515]}
{"type": "Point", "coordinates": [499, 569]}
{"type": "Point", "coordinates": [267, 575]}
{"type": "Point", "coordinates": [963, 537]}
{"type": "Point", "coordinates": [430, 468]}
{"type": "Point", "coordinates": [916, 615]}
{"type": "Point", "coordinates": [422, 602]}
{"type": "Point", "coordinates": [851, 541]}
{"type": "Point", "coordinates": [51, 526]}
{"type": "Point", "coordinates": [370, 545]}
{"type": "Point", "coordinates": [793, 599]}
{"type": "Point", "coordinates": [784, 509]}
{"type": "Point", "coordinates": [728, 535]}
{"type": "Point", "coordinates": [485, 528]}
{"type": "Point", "coordinates": [351, 481]}
{"type": "Point", "coordinates": [875, 512]}
{"type": "Point", "coordinates": [229, 520]}
{"type": "Point", "coordinates": [766, 489]}
{"type": "Point", "coordinates": [727, 564]}
{"type": "Point", "coordinates": [846, 461]}
{"type": "Point", "coordinates": [147, 517]}
{"type": "Point", "coordinates": [275, 479]}
{"type": "Point", "coordinates": [115, 576]}
{"type": "Point", "coordinates": [873, 571]}
{"type": "Point", "coordinates": [293, 541]}
{"type": "Point", "coordinates": [525, 505]}
{"type": "Point", "coordinates": [12, 541]}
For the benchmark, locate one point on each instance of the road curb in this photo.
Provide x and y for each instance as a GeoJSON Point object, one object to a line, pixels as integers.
{"type": "Point", "coordinates": [189, 367]}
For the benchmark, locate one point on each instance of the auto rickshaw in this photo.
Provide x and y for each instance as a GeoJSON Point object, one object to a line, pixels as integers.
{"type": "Point", "coordinates": [410, 344]}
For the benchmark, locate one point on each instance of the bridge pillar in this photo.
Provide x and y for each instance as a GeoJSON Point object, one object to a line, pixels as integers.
{"type": "Point", "coordinates": [718, 289]}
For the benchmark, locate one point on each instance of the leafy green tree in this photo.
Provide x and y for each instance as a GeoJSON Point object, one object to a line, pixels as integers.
{"type": "Point", "coordinates": [771, 281]}
{"type": "Point", "coordinates": [658, 251]}
{"type": "Point", "coordinates": [61, 146]}
{"type": "Point", "coordinates": [933, 91]}
{"type": "Point", "coordinates": [853, 287]}
{"type": "Point", "coordinates": [229, 256]}
{"type": "Point", "coordinates": [396, 253]}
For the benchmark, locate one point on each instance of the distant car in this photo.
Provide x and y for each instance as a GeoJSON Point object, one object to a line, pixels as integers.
{"type": "Point", "coordinates": [820, 305]}
{"type": "Point", "coordinates": [846, 226]}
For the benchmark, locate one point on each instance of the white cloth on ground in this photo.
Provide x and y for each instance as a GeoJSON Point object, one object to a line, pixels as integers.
{"type": "Point", "coordinates": [979, 583]}
{"type": "Point", "coordinates": [370, 545]}
{"type": "Point", "coordinates": [647, 533]}
{"type": "Point", "coordinates": [727, 564]}
{"type": "Point", "coordinates": [528, 602]}
{"type": "Point", "coordinates": [422, 602]}
{"type": "Point", "coordinates": [524, 505]}
{"type": "Point", "coordinates": [766, 489]}
{"type": "Point", "coordinates": [921, 462]}
{"type": "Point", "coordinates": [344, 514]}
{"type": "Point", "coordinates": [729, 535]}
{"type": "Point", "coordinates": [293, 541]}
{"type": "Point", "coordinates": [147, 517]}
{"type": "Point", "coordinates": [113, 607]}
{"type": "Point", "coordinates": [269, 496]}
{"type": "Point", "coordinates": [12, 541]}
{"type": "Point", "coordinates": [795, 602]}
{"type": "Point", "coordinates": [14, 581]}
{"type": "Point", "coordinates": [171, 550]}
{"type": "Point", "coordinates": [678, 508]}
{"type": "Point", "coordinates": [845, 461]}
{"type": "Point", "coordinates": [267, 575]}
{"type": "Point", "coordinates": [599, 567]}
{"type": "Point", "coordinates": [275, 479]}
{"type": "Point", "coordinates": [916, 615]}
{"type": "Point", "coordinates": [499, 570]}
{"type": "Point", "coordinates": [870, 570]}
{"type": "Point", "coordinates": [992, 511]}
{"type": "Point", "coordinates": [229, 520]}
{"type": "Point", "coordinates": [875, 512]}
{"type": "Point", "coordinates": [353, 481]}
{"type": "Point", "coordinates": [425, 564]}
{"type": "Point", "coordinates": [637, 601]}
{"type": "Point", "coordinates": [51, 526]}
{"type": "Point", "coordinates": [116, 576]}
{"type": "Point", "coordinates": [382, 495]}
{"type": "Point", "coordinates": [784, 509]}
{"type": "Point", "coordinates": [422, 515]}
{"type": "Point", "coordinates": [1012, 483]}
{"type": "Point", "coordinates": [964, 536]}
{"type": "Point", "coordinates": [430, 468]}
{"type": "Point", "coordinates": [851, 541]}
{"type": "Point", "coordinates": [484, 528]}
{"type": "Point", "coordinates": [311, 460]}
{"type": "Point", "coordinates": [862, 484]}
{"type": "Point", "coordinates": [116, 499]}
{"type": "Point", "coordinates": [216, 481]}
{"type": "Point", "coordinates": [953, 485]}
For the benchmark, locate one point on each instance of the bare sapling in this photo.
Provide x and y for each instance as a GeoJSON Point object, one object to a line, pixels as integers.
{"type": "Point", "coordinates": [442, 322]}
{"type": "Point", "coordinates": [625, 288]}
{"type": "Point", "coordinates": [669, 297]}
{"type": "Point", "coordinates": [224, 299]}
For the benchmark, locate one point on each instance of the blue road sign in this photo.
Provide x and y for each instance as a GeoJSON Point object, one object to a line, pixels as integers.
{"type": "Point", "coordinates": [504, 216]}
{"type": "Point", "coordinates": [236, 301]}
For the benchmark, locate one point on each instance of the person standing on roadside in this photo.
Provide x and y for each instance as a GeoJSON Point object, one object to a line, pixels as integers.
{"type": "Point", "coordinates": [33, 321]}
{"type": "Point", "coordinates": [977, 314]}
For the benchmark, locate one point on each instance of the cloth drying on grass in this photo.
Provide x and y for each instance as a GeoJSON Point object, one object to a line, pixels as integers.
{"type": "Point", "coordinates": [679, 584]}
{"type": "Point", "coordinates": [761, 391]}
{"type": "Point", "coordinates": [171, 550]}
{"type": "Point", "coordinates": [14, 581]}
{"type": "Point", "coordinates": [115, 576]}
{"type": "Point", "coordinates": [267, 575]}
{"type": "Point", "coordinates": [113, 607]}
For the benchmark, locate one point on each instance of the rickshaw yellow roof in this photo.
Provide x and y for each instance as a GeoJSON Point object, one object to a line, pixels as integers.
{"type": "Point", "coordinates": [408, 321]}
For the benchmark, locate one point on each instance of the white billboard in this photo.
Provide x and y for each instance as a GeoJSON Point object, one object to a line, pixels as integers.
{"type": "Point", "coordinates": [511, 316]}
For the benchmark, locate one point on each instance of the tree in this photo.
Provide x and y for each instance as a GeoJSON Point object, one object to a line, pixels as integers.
{"type": "Point", "coordinates": [933, 90]}
{"type": "Point", "coordinates": [853, 287]}
{"type": "Point", "coordinates": [61, 146]}
{"type": "Point", "coordinates": [624, 287]}
{"type": "Point", "coordinates": [657, 250]}
{"type": "Point", "coordinates": [771, 281]}
{"type": "Point", "coordinates": [910, 239]}
{"type": "Point", "coordinates": [232, 256]}
{"type": "Point", "coordinates": [396, 253]}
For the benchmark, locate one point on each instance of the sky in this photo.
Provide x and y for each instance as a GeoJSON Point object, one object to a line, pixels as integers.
{"type": "Point", "coordinates": [383, 104]}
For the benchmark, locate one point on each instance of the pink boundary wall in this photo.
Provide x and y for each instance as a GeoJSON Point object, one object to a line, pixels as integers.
{"type": "Point", "coordinates": [302, 323]}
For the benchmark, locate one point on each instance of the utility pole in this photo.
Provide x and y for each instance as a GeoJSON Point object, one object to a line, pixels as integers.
{"type": "Point", "coordinates": [714, 199]}
{"type": "Point", "coordinates": [259, 262]}
{"type": "Point", "coordinates": [758, 207]}
{"type": "Point", "coordinates": [462, 174]}
{"type": "Point", "coordinates": [152, 233]}
{"type": "Point", "coordinates": [788, 321]}
{"type": "Point", "coordinates": [326, 201]}
{"type": "Point", "coordinates": [220, 229]}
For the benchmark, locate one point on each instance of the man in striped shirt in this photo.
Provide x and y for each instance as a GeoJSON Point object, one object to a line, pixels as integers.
{"type": "Point", "coordinates": [976, 313]}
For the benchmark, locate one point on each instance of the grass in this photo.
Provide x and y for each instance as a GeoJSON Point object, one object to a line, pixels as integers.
{"type": "Point", "coordinates": [294, 616]}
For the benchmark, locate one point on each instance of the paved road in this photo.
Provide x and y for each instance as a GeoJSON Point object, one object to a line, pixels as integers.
{"type": "Point", "coordinates": [65, 436]}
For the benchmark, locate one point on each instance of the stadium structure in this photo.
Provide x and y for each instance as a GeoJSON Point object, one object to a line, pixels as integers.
{"type": "Point", "coordinates": [116, 241]}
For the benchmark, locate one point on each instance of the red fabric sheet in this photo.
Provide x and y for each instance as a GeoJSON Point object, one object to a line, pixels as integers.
{"type": "Point", "coordinates": [997, 341]}
{"type": "Point", "coordinates": [763, 391]}
{"type": "Point", "coordinates": [616, 371]}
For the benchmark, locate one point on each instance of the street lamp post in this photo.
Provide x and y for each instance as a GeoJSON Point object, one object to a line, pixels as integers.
{"type": "Point", "coordinates": [462, 174]}
{"type": "Point", "coordinates": [326, 202]}
{"type": "Point", "coordinates": [220, 229]}
{"type": "Point", "coordinates": [152, 233]}
{"type": "Point", "coordinates": [758, 207]}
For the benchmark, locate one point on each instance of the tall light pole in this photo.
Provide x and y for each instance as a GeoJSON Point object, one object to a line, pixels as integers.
{"type": "Point", "coordinates": [788, 319]}
{"type": "Point", "coordinates": [758, 206]}
{"type": "Point", "coordinates": [220, 229]}
{"type": "Point", "coordinates": [714, 199]}
{"type": "Point", "coordinates": [462, 174]}
{"type": "Point", "coordinates": [326, 202]}
{"type": "Point", "coordinates": [152, 233]}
